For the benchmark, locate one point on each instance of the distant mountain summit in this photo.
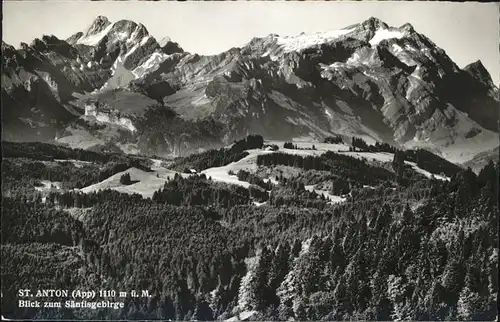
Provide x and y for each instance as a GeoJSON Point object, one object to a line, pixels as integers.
{"type": "Point", "coordinates": [98, 26]}
{"type": "Point", "coordinates": [479, 72]}
{"type": "Point", "coordinates": [125, 39]}
{"type": "Point", "coordinates": [370, 80]}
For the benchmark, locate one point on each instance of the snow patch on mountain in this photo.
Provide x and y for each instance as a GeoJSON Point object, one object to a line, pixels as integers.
{"type": "Point", "coordinates": [134, 35]}
{"type": "Point", "coordinates": [150, 65]}
{"type": "Point", "coordinates": [122, 35]}
{"type": "Point", "coordinates": [396, 48]}
{"type": "Point", "coordinates": [382, 34]}
{"type": "Point", "coordinates": [416, 73]}
{"type": "Point", "coordinates": [93, 40]}
{"type": "Point", "coordinates": [328, 113]}
{"type": "Point", "coordinates": [403, 54]}
{"type": "Point", "coordinates": [165, 40]}
{"type": "Point", "coordinates": [131, 51]}
{"type": "Point", "coordinates": [410, 48]}
{"type": "Point", "coordinates": [356, 60]}
{"type": "Point", "coordinates": [371, 75]}
{"type": "Point", "coordinates": [144, 40]}
{"type": "Point", "coordinates": [335, 65]}
{"type": "Point", "coordinates": [303, 41]}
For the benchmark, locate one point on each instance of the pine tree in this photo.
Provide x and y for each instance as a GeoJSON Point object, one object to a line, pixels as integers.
{"type": "Point", "coordinates": [260, 284]}
{"type": "Point", "coordinates": [398, 165]}
{"type": "Point", "coordinates": [125, 179]}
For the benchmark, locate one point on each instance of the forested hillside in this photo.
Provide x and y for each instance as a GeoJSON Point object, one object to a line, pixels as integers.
{"type": "Point", "coordinates": [400, 246]}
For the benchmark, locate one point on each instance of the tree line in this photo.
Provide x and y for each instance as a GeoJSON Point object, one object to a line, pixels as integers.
{"type": "Point", "coordinates": [344, 166]}
{"type": "Point", "coordinates": [217, 158]}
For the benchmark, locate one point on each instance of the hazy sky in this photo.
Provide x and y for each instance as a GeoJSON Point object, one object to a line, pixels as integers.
{"type": "Point", "coordinates": [466, 31]}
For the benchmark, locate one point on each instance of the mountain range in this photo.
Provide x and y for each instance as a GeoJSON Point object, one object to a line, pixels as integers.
{"type": "Point", "coordinates": [115, 87]}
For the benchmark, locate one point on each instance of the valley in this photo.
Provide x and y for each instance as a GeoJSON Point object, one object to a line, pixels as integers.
{"type": "Point", "coordinates": [370, 80]}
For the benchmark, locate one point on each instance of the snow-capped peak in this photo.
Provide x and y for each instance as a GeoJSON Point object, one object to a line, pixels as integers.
{"type": "Point", "coordinates": [374, 24]}
{"type": "Point", "coordinates": [407, 27]}
{"type": "Point", "coordinates": [99, 24]}
{"type": "Point", "coordinates": [123, 30]}
{"type": "Point", "coordinates": [150, 65]}
{"type": "Point", "coordinates": [372, 30]}
{"type": "Point", "coordinates": [379, 30]}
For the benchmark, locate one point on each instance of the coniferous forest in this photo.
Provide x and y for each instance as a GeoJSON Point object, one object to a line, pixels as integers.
{"type": "Point", "coordinates": [400, 245]}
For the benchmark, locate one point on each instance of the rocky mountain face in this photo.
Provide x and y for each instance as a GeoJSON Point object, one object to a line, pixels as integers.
{"type": "Point", "coordinates": [38, 81]}
{"type": "Point", "coordinates": [368, 80]}
{"type": "Point", "coordinates": [42, 82]}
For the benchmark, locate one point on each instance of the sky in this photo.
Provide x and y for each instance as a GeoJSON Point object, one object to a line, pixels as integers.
{"type": "Point", "coordinates": [466, 31]}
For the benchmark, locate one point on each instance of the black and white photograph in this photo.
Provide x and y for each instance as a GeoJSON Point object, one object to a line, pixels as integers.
{"type": "Point", "coordinates": [250, 161]}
